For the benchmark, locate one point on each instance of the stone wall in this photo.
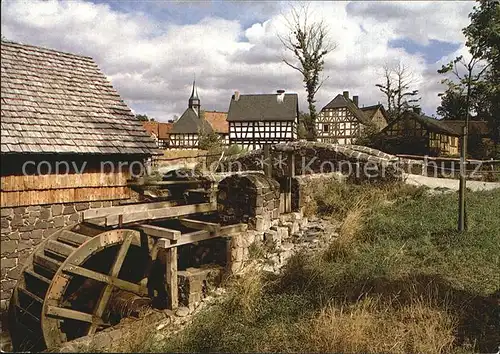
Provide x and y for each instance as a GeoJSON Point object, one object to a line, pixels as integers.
{"type": "Point", "coordinates": [303, 189]}
{"type": "Point", "coordinates": [23, 228]}
{"type": "Point", "coordinates": [249, 198]}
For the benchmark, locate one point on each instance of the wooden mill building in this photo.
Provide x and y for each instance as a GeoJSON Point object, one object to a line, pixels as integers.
{"type": "Point", "coordinates": [186, 130]}
{"type": "Point", "coordinates": [341, 121]}
{"type": "Point", "coordinates": [68, 143]}
{"type": "Point", "coordinates": [255, 120]}
{"type": "Point", "coordinates": [418, 134]}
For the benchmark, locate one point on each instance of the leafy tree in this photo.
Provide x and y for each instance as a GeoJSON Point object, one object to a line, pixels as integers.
{"type": "Point", "coordinates": [397, 88]}
{"type": "Point", "coordinates": [476, 82]}
{"type": "Point", "coordinates": [144, 118]}
{"type": "Point", "coordinates": [304, 122]}
{"type": "Point", "coordinates": [309, 43]}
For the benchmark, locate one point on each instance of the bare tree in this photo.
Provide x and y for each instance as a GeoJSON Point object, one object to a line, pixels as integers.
{"type": "Point", "coordinates": [308, 41]}
{"type": "Point", "coordinates": [397, 88]}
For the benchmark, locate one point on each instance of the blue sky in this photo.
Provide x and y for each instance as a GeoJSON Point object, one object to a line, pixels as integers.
{"type": "Point", "coordinates": [151, 50]}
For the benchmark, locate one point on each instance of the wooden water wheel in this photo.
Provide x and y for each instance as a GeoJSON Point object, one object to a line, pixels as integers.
{"type": "Point", "coordinates": [66, 286]}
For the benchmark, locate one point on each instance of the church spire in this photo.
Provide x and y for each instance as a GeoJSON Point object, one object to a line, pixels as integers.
{"type": "Point", "coordinates": [194, 100]}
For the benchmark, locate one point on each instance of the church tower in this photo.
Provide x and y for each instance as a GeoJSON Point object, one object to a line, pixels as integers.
{"type": "Point", "coordinates": [194, 101]}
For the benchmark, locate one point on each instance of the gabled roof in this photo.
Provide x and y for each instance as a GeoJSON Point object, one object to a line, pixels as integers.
{"type": "Point", "coordinates": [370, 111]}
{"type": "Point", "coordinates": [263, 107]}
{"type": "Point", "coordinates": [56, 102]}
{"type": "Point", "coordinates": [159, 129]}
{"type": "Point", "coordinates": [340, 102]}
{"type": "Point", "coordinates": [475, 126]}
{"type": "Point", "coordinates": [431, 124]}
{"type": "Point", "coordinates": [190, 123]}
{"type": "Point", "coordinates": [218, 121]}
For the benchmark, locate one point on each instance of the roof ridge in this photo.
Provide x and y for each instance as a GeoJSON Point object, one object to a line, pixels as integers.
{"type": "Point", "coordinates": [19, 44]}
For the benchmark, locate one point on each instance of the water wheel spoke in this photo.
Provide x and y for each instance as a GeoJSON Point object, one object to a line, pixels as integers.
{"type": "Point", "coordinates": [115, 270]}
{"type": "Point", "coordinates": [116, 282]}
{"type": "Point", "coordinates": [74, 315]}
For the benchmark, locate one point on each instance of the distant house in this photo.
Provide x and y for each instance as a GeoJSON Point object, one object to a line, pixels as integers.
{"type": "Point", "coordinates": [186, 130]}
{"type": "Point", "coordinates": [160, 132]}
{"type": "Point", "coordinates": [418, 134]}
{"type": "Point", "coordinates": [219, 123]}
{"type": "Point", "coordinates": [341, 121]}
{"type": "Point", "coordinates": [258, 119]}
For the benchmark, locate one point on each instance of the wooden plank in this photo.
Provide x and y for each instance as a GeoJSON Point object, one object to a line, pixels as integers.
{"type": "Point", "coordinates": [104, 278]}
{"type": "Point", "coordinates": [30, 295]}
{"type": "Point", "coordinates": [58, 248]}
{"type": "Point", "coordinates": [103, 212]}
{"type": "Point", "coordinates": [162, 213]}
{"type": "Point", "coordinates": [74, 315]}
{"type": "Point", "coordinates": [200, 225]}
{"type": "Point", "coordinates": [167, 183]}
{"type": "Point", "coordinates": [171, 277]}
{"type": "Point", "coordinates": [73, 238]}
{"type": "Point", "coordinates": [203, 235]}
{"type": "Point", "coordinates": [36, 276]}
{"type": "Point", "coordinates": [46, 262]}
{"type": "Point", "coordinates": [157, 231]}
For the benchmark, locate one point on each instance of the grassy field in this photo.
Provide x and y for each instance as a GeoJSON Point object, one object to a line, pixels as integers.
{"type": "Point", "coordinates": [399, 278]}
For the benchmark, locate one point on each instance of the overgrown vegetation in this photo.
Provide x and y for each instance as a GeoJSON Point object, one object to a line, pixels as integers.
{"type": "Point", "coordinates": [397, 279]}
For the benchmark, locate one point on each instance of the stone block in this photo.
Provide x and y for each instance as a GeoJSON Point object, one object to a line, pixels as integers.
{"type": "Point", "coordinates": [8, 263]}
{"type": "Point", "coordinates": [33, 208]}
{"type": "Point", "coordinates": [74, 218]}
{"type": "Point", "coordinates": [37, 234]}
{"type": "Point", "coordinates": [17, 221]}
{"type": "Point", "coordinates": [296, 216]}
{"type": "Point", "coordinates": [59, 221]}
{"type": "Point", "coordinates": [106, 204]}
{"type": "Point", "coordinates": [94, 205]}
{"type": "Point", "coordinates": [57, 209]}
{"type": "Point", "coordinates": [31, 220]}
{"type": "Point", "coordinates": [4, 223]}
{"type": "Point", "coordinates": [272, 239]}
{"type": "Point", "coordinates": [26, 235]}
{"type": "Point", "coordinates": [69, 209]}
{"type": "Point", "coordinates": [14, 273]}
{"type": "Point", "coordinates": [8, 246]}
{"type": "Point", "coordinates": [22, 245]}
{"type": "Point", "coordinates": [19, 210]}
{"type": "Point", "coordinates": [6, 212]}
{"type": "Point", "coordinates": [283, 232]}
{"type": "Point", "coordinates": [48, 232]}
{"type": "Point", "coordinates": [41, 225]}
{"type": "Point", "coordinates": [7, 285]}
{"type": "Point", "coordinates": [45, 213]}
{"type": "Point", "coordinates": [82, 206]}
{"type": "Point", "coordinates": [14, 235]}
{"type": "Point", "coordinates": [6, 231]}
{"type": "Point", "coordinates": [27, 228]}
{"type": "Point", "coordinates": [262, 223]}
{"type": "Point", "coordinates": [303, 223]}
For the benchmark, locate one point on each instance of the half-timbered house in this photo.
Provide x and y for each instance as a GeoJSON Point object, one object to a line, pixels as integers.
{"type": "Point", "coordinates": [418, 134]}
{"type": "Point", "coordinates": [186, 130]}
{"type": "Point", "coordinates": [377, 116]}
{"type": "Point", "coordinates": [341, 120]}
{"type": "Point", "coordinates": [258, 119]}
{"type": "Point", "coordinates": [160, 132]}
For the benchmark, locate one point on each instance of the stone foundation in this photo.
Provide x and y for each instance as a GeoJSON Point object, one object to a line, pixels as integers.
{"type": "Point", "coordinates": [196, 283]}
{"type": "Point", "coordinates": [23, 228]}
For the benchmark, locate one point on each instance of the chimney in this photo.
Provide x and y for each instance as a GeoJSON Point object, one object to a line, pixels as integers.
{"type": "Point", "coordinates": [355, 99]}
{"type": "Point", "coordinates": [346, 94]}
{"type": "Point", "coordinates": [417, 110]}
{"type": "Point", "coordinates": [281, 96]}
{"type": "Point", "coordinates": [236, 95]}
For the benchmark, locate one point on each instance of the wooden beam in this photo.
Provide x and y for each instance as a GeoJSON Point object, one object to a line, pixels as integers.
{"type": "Point", "coordinates": [200, 225]}
{"type": "Point", "coordinates": [74, 315]}
{"type": "Point", "coordinates": [158, 231]}
{"type": "Point", "coordinates": [119, 283]}
{"type": "Point", "coordinates": [171, 277]}
{"type": "Point", "coordinates": [122, 209]}
{"type": "Point", "coordinates": [203, 235]}
{"type": "Point", "coordinates": [167, 183]}
{"type": "Point", "coordinates": [163, 213]}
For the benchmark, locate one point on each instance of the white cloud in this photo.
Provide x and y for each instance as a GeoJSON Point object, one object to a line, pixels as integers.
{"type": "Point", "coordinates": [152, 63]}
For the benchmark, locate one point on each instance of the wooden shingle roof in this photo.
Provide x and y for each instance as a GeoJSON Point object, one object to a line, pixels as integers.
{"type": "Point", "coordinates": [55, 102]}
{"type": "Point", "coordinates": [263, 107]}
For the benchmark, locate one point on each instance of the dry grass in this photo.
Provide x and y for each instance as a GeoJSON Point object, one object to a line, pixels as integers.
{"type": "Point", "coordinates": [246, 291]}
{"type": "Point", "coordinates": [373, 326]}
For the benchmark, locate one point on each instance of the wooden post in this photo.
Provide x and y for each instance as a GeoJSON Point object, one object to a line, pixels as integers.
{"type": "Point", "coordinates": [171, 277]}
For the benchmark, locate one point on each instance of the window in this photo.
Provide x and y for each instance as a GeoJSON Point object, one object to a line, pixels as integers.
{"type": "Point", "coordinates": [325, 128]}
